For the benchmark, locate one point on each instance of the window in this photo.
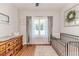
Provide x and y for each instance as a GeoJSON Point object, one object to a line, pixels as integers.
{"type": "Point", "coordinates": [39, 26]}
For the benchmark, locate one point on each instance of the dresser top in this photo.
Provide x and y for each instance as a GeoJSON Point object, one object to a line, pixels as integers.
{"type": "Point", "coordinates": [7, 38]}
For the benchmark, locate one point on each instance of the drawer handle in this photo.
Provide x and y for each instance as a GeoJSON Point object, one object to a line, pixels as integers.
{"type": "Point", "coordinates": [16, 49]}
{"type": "Point", "coordinates": [8, 49]}
{"type": "Point", "coordinates": [8, 44]}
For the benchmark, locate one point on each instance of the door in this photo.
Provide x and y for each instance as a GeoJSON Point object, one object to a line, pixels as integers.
{"type": "Point", "coordinates": [39, 30]}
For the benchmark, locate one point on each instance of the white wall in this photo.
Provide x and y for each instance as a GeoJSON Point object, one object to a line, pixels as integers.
{"type": "Point", "coordinates": [55, 15]}
{"type": "Point", "coordinates": [11, 11]}
{"type": "Point", "coordinates": [70, 30]}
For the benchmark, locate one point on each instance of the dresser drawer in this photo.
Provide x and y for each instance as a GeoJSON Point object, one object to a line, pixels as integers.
{"type": "Point", "coordinates": [2, 47]}
{"type": "Point", "coordinates": [2, 53]}
{"type": "Point", "coordinates": [14, 52]}
{"type": "Point", "coordinates": [9, 43]}
{"type": "Point", "coordinates": [20, 41]}
{"type": "Point", "coordinates": [14, 43]}
{"type": "Point", "coordinates": [17, 41]}
{"type": "Point", "coordinates": [9, 49]}
{"type": "Point", "coordinates": [10, 53]}
{"type": "Point", "coordinates": [17, 49]}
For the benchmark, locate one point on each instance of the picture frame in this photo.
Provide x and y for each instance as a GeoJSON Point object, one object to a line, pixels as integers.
{"type": "Point", "coordinates": [4, 18]}
{"type": "Point", "coordinates": [76, 20]}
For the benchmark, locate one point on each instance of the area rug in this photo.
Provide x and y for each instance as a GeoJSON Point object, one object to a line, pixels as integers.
{"type": "Point", "coordinates": [45, 51]}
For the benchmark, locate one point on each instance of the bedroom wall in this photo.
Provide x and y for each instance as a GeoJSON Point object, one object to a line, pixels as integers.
{"type": "Point", "coordinates": [13, 26]}
{"type": "Point", "coordinates": [70, 30]}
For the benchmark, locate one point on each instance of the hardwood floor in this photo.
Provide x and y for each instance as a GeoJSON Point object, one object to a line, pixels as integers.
{"type": "Point", "coordinates": [37, 50]}
{"type": "Point", "coordinates": [27, 51]}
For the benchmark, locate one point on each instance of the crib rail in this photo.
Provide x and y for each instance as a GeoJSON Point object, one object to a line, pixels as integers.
{"type": "Point", "coordinates": [67, 45]}
{"type": "Point", "coordinates": [72, 48]}
{"type": "Point", "coordinates": [71, 45]}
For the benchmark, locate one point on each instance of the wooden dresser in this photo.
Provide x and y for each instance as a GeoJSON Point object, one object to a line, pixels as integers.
{"type": "Point", "coordinates": [11, 46]}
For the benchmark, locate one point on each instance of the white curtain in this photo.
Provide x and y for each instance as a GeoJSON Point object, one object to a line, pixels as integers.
{"type": "Point", "coordinates": [50, 26]}
{"type": "Point", "coordinates": [28, 28]}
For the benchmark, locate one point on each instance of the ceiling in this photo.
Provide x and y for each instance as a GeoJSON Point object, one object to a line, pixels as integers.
{"type": "Point", "coordinates": [41, 7]}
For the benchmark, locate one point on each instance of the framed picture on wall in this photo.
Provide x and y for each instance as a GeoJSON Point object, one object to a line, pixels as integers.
{"type": "Point", "coordinates": [4, 18]}
{"type": "Point", "coordinates": [72, 16]}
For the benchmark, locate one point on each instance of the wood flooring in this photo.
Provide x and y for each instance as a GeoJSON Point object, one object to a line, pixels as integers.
{"type": "Point", "coordinates": [37, 50]}
{"type": "Point", "coordinates": [27, 50]}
